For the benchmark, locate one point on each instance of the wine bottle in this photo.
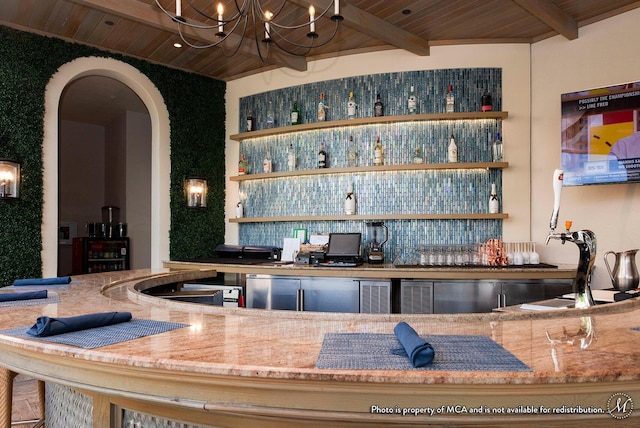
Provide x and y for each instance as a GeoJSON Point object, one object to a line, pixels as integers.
{"type": "Point", "coordinates": [496, 149]}
{"type": "Point", "coordinates": [378, 107]}
{"type": "Point", "coordinates": [378, 154]}
{"type": "Point", "coordinates": [416, 156]}
{"type": "Point", "coordinates": [412, 102]}
{"type": "Point", "coordinates": [295, 114]}
{"type": "Point", "coordinates": [267, 164]}
{"type": "Point", "coordinates": [452, 150]}
{"type": "Point", "coordinates": [494, 202]}
{"type": "Point", "coordinates": [350, 201]}
{"type": "Point", "coordinates": [291, 158]}
{"type": "Point", "coordinates": [486, 101]}
{"type": "Point", "coordinates": [351, 106]}
{"type": "Point", "coordinates": [242, 165]}
{"type": "Point", "coordinates": [271, 121]}
{"type": "Point", "coordinates": [322, 113]}
{"type": "Point", "coordinates": [322, 157]}
{"type": "Point", "coordinates": [449, 100]}
{"type": "Point", "coordinates": [352, 155]}
{"type": "Point", "coordinates": [251, 122]}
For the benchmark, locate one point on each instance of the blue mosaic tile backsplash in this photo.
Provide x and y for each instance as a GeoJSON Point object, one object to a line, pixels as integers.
{"type": "Point", "coordinates": [386, 192]}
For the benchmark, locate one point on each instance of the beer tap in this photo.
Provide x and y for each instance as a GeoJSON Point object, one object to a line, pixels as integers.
{"type": "Point", "coordinates": [584, 239]}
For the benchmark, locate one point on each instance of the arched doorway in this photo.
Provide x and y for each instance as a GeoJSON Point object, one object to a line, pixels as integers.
{"type": "Point", "coordinates": [160, 163]}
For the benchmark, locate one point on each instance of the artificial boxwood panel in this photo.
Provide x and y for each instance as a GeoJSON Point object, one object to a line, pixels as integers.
{"type": "Point", "coordinates": [196, 114]}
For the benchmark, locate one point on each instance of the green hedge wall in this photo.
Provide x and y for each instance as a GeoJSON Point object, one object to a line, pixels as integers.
{"type": "Point", "coordinates": [197, 116]}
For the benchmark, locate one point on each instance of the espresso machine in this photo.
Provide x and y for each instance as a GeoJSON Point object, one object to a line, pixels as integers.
{"type": "Point", "coordinates": [377, 235]}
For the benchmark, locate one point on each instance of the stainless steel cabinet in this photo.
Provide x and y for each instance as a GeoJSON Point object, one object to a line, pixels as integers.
{"type": "Point", "coordinates": [455, 297]}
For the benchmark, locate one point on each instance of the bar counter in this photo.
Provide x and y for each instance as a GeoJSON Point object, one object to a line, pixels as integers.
{"type": "Point", "coordinates": [246, 367]}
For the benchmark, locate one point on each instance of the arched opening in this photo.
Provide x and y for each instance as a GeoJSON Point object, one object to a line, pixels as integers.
{"type": "Point", "coordinates": [160, 162]}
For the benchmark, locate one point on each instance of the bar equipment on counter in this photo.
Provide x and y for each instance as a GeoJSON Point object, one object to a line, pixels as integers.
{"type": "Point", "coordinates": [584, 239]}
{"type": "Point", "coordinates": [624, 274]}
{"type": "Point", "coordinates": [377, 235]}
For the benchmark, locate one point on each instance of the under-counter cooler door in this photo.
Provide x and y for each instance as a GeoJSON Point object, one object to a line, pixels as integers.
{"type": "Point", "coordinates": [466, 297]}
{"type": "Point", "coordinates": [330, 295]}
{"type": "Point", "coordinates": [269, 292]}
{"type": "Point", "coordinates": [416, 297]}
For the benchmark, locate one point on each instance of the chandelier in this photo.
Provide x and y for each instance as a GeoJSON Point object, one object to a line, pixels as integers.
{"type": "Point", "coordinates": [248, 19]}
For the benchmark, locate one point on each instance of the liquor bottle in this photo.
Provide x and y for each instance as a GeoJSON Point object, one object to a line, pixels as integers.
{"type": "Point", "coordinates": [291, 158]}
{"type": "Point", "coordinates": [496, 149]}
{"type": "Point", "coordinates": [295, 114]}
{"type": "Point", "coordinates": [271, 121]}
{"type": "Point", "coordinates": [416, 156]}
{"type": "Point", "coordinates": [322, 109]}
{"type": "Point", "coordinates": [239, 210]}
{"type": "Point", "coordinates": [494, 202]}
{"type": "Point", "coordinates": [449, 99]}
{"type": "Point", "coordinates": [378, 107]}
{"type": "Point", "coordinates": [378, 154]}
{"type": "Point", "coordinates": [350, 201]}
{"type": "Point", "coordinates": [452, 150]}
{"type": "Point", "coordinates": [412, 102]}
{"type": "Point", "coordinates": [267, 164]}
{"type": "Point", "coordinates": [242, 165]}
{"type": "Point", "coordinates": [351, 107]}
{"type": "Point", "coordinates": [322, 157]}
{"type": "Point", "coordinates": [251, 122]}
{"type": "Point", "coordinates": [486, 101]}
{"type": "Point", "coordinates": [352, 155]}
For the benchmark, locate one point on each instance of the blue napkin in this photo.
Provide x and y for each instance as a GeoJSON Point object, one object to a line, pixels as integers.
{"type": "Point", "coordinates": [419, 352]}
{"type": "Point", "coordinates": [43, 281]}
{"type": "Point", "coordinates": [23, 295]}
{"type": "Point", "coordinates": [46, 326]}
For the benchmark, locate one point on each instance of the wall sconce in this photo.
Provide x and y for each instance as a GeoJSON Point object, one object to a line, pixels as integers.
{"type": "Point", "coordinates": [196, 190]}
{"type": "Point", "coordinates": [9, 179]}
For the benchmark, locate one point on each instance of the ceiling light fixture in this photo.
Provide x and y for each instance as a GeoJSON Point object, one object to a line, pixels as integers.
{"type": "Point", "coordinates": [250, 21]}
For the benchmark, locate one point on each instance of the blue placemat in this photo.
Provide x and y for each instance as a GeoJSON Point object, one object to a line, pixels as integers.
{"type": "Point", "coordinates": [369, 351]}
{"type": "Point", "coordinates": [102, 336]}
{"type": "Point", "coordinates": [51, 298]}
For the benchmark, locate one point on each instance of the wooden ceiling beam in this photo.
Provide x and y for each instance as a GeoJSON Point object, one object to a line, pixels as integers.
{"type": "Point", "coordinates": [373, 26]}
{"type": "Point", "coordinates": [153, 17]}
{"type": "Point", "coordinates": [547, 12]}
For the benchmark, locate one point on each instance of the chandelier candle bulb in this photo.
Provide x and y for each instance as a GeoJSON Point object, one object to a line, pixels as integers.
{"type": "Point", "coordinates": [312, 18]}
{"type": "Point", "coordinates": [267, 28]}
{"type": "Point", "coordinates": [220, 20]}
{"type": "Point", "coordinates": [178, 8]}
{"type": "Point", "coordinates": [336, 7]}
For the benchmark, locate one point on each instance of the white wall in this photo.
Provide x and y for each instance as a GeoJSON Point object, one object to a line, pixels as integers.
{"type": "Point", "coordinates": [604, 54]}
{"type": "Point", "coordinates": [512, 58]}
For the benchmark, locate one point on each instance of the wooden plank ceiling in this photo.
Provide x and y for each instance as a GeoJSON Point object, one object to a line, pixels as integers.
{"type": "Point", "coordinates": [140, 29]}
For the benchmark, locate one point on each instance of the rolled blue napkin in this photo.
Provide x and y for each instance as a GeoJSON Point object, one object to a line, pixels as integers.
{"type": "Point", "coordinates": [419, 352]}
{"type": "Point", "coordinates": [46, 326]}
{"type": "Point", "coordinates": [23, 295]}
{"type": "Point", "coordinates": [43, 281]}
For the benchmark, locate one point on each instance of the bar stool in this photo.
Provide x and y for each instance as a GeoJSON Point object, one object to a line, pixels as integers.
{"type": "Point", "coordinates": [6, 398]}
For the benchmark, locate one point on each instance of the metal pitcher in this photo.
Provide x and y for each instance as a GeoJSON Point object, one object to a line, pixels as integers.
{"type": "Point", "coordinates": [624, 275]}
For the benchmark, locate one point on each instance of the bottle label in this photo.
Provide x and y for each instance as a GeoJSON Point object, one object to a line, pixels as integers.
{"type": "Point", "coordinates": [412, 104]}
{"type": "Point", "coordinates": [322, 159]}
{"type": "Point", "coordinates": [321, 112]}
{"type": "Point", "coordinates": [291, 162]}
{"type": "Point", "coordinates": [294, 117]}
{"type": "Point", "coordinates": [249, 125]}
{"type": "Point", "coordinates": [241, 170]}
{"type": "Point", "coordinates": [266, 165]}
{"type": "Point", "coordinates": [453, 155]}
{"type": "Point", "coordinates": [377, 157]}
{"type": "Point", "coordinates": [351, 109]}
{"type": "Point", "coordinates": [378, 110]}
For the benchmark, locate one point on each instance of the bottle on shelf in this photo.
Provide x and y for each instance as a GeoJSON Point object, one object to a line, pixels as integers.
{"type": "Point", "coordinates": [271, 117]}
{"type": "Point", "coordinates": [242, 165]}
{"type": "Point", "coordinates": [496, 149]}
{"type": "Point", "coordinates": [251, 121]}
{"type": "Point", "coordinates": [267, 163]}
{"type": "Point", "coordinates": [352, 155]}
{"type": "Point", "coordinates": [452, 150]}
{"type": "Point", "coordinates": [412, 102]}
{"type": "Point", "coordinates": [494, 202]}
{"type": "Point", "coordinates": [322, 157]}
{"type": "Point", "coordinates": [295, 114]}
{"type": "Point", "coordinates": [378, 107]}
{"type": "Point", "coordinates": [449, 108]}
{"type": "Point", "coordinates": [417, 158]}
{"type": "Point", "coordinates": [291, 158]}
{"type": "Point", "coordinates": [378, 153]}
{"type": "Point", "coordinates": [486, 101]}
{"type": "Point", "coordinates": [239, 210]}
{"type": "Point", "coordinates": [322, 109]}
{"type": "Point", "coordinates": [350, 201]}
{"type": "Point", "coordinates": [351, 106]}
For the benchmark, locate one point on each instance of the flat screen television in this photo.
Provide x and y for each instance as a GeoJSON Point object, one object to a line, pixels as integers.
{"type": "Point", "coordinates": [601, 135]}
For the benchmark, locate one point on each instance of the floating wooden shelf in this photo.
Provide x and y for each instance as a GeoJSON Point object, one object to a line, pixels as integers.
{"type": "Point", "coordinates": [369, 121]}
{"type": "Point", "coordinates": [407, 167]}
{"type": "Point", "coordinates": [500, 216]}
